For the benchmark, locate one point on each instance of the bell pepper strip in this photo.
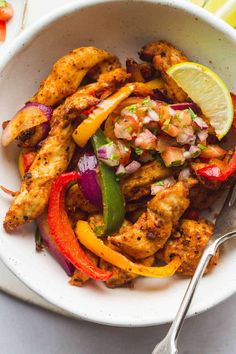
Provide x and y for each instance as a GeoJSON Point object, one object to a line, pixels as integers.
{"type": "Point", "coordinates": [214, 173]}
{"type": "Point", "coordinates": [89, 239]}
{"type": "Point", "coordinates": [25, 160]}
{"type": "Point", "coordinates": [62, 232]}
{"type": "Point", "coordinates": [112, 198]}
{"type": "Point", "coordinates": [155, 84]}
{"type": "Point", "coordinates": [90, 125]}
{"type": "Point", "coordinates": [3, 31]}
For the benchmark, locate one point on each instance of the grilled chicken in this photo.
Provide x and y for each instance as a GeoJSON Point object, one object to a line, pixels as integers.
{"type": "Point", "coordinates": [56, 152]}
{"type": "Point", "coordinates": [164, 55]}
{"type": "Point", "coordinates": [67, 74]}
{"type": "Point", "coordinates": [154, 227]}
{"type": "Point", "coordinates": [189, 242]}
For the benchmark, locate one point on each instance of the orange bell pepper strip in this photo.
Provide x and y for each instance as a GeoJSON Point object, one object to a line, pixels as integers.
{"type": "Point", "coordinates": [90, 125]}
{"type": "Point", "coordinates": [6, 11]}
{"type": "Point", "coordinates": [89, 239]}
{"type": "Point", "coordinates": [62, 232]}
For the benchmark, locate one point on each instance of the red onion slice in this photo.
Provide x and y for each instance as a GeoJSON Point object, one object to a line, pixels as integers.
{"type": "Point", "coordinates": [185, 105]}
{"type": "Point", "coordinates": [132, 167]}
{"type": "Point", "coordinates": [30, 116]}
{"type": "Point", "coordinates": [42, 222]}
{"type": "Point", "coordinates": [87, 167]}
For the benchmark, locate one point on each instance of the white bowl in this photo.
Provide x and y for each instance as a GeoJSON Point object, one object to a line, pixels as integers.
{"type": "Point", "coordinates": [121, 27]}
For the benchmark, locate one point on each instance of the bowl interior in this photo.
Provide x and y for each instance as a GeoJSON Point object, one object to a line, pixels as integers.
{"type": "Point", "coordinates": [120, 27]}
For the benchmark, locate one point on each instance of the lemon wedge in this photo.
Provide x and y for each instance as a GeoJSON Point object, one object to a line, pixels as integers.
{"type": "Point", "coordinates": [208, 91]}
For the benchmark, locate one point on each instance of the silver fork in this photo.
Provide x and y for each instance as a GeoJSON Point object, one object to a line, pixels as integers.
{"type": "Point", "coordinates": [225, 228]}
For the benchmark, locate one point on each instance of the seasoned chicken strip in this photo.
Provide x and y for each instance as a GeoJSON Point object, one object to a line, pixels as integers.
{"type": "Point", "coordinates": [164, 55]}
{"type": "Point", "coordinates": [139, 183]}
{"type": "Point", "coordinates": [67, 74]}
{"type": "Point", "coordinates": [154, 227]}
{"type": "Point", "coordinates": [188, 243]}
{"type": "Point", "coordinates": [56, 152]}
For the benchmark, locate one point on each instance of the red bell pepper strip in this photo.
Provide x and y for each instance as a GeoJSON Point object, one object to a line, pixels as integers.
{"type": "Point", "coordinates": [214, 173]}
{"type": "Point", "coordinates": [3, 31]}
{"type": "Point", "coordinates": [62, 232]}
{"type": "Point", "coordinates": [6, 11]}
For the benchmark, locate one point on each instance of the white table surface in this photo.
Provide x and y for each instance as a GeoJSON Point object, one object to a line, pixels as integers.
{"type": "Point", "coordinates": [26, 329]}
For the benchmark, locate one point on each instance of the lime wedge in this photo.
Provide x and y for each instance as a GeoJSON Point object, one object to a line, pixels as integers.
{"type": "Point", "coordinates": [208, 91]}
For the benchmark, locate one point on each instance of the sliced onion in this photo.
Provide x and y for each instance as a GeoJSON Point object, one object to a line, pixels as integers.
{"type": "Point", "coordinates": [161, 185]}
{"type": "Point", "coordinates": [8, 191]}
{"type": "Point", "coordinates": [186, 136]}
{"type": "Point", "coordinates": [30, 116]}
{"type": "Point", "coordinates": [132, 167]}
{"type": "Point", "coordinates": [90, 187]}
{"type": "Point", "coordinates": [184, 174]}
{"type": "Point", "coordinates": [109, 154]}
{"type": "Point", "coordinates": [42, 222]}
{"type": "Point", "coordinates": [202, 135]}
{"type": "Point", "coordinates": [194, 151]}
{"type": "Point", "coordinates": [185, 105]}
{"type": "Point", "coordinates": [121, 171]}
{"type": "Point", "coordinates": [200, 123]}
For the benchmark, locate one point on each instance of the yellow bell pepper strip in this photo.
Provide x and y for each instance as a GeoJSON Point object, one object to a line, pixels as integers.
{"type": "Point", "coordinates": [112, 198]}
{"type": "Point", "coordinates": [62, 232]}
{"type": "Point", "coordinates": [89, 239]}
{"type": "Point", "coordinates": [90, 125]}
{"type": "Point", "coordinates": [155, 84]}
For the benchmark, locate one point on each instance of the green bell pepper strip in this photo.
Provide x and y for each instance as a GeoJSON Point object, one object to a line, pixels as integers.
{"type": "Point", "coordinates": [113, 200]}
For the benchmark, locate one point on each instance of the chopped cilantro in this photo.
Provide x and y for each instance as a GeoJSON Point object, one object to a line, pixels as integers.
{"type": "Point", "coordinates": [177, 163]}
{"type": "Point", "coordinates": [132, 108]}
{"type": "Point", "coordinates": [138, 151]}
{"type": "Point", "coordinates": [202, 147]}
{"type": "Point", "coordinates": [83, 116]}
{"type": "Point", "coordinates": [98, 229]}
{"type": "Point", "coordinates": [166, 124]}
{"type": "Point", "coordinates": [192, 114]}
{"type": "Point", "coordinates": [179, 119]}
{"type": "Point", "coordinates": [160, 183]}
{"type": "Point", "coordinates": [146, 101]}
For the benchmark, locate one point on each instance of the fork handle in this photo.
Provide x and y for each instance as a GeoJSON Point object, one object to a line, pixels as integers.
{"type": "Point", "coordinates": [177, 324]}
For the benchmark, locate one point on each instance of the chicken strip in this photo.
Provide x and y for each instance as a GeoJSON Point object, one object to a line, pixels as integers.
{"type": "Point", "coordinates": [154, 227]}
{"type": "Point", "coordinates": [138, 184]}
{"type": "Point", "coordinates": [56, 152]}
{"type": "Point", "coordinates": [164, 55]}
{"type": "Point", "coordinates": [67, 74]}
{"type": "Point", "coordinates": [188, 243]}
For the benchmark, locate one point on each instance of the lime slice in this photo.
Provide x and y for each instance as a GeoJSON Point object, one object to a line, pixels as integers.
{"type": "Point", "coordinates": [208, 91]}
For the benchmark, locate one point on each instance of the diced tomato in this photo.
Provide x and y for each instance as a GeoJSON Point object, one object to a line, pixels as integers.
{"type": "Point", "coordinates": [126, 127]}
{"type": "Point", "coordinates": [213, 151]}
{"type": "Point", "coordinates": [170, 129]}
{"type": "Point", "coordinates": [182, 119]}
{"type": "Point", "coordinates": [233, 96]}
{"type": "Point", "coordinates": [3, 31]}
{"type": "Point", "coordinates": [6, 12]}
{"type": "Point", "coordinates": [146, 140]}
{"type": "Point", "coordinates": [173, 156]}
{"type": "Point", "coordinates": [125, 153]}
